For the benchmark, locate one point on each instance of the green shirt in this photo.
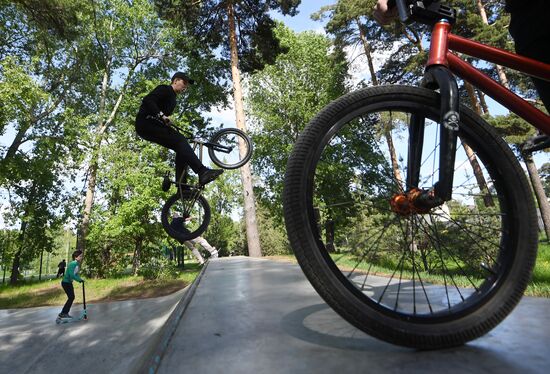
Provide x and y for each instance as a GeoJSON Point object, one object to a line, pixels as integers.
{"type": "Point", "coordinates": [72, 273]}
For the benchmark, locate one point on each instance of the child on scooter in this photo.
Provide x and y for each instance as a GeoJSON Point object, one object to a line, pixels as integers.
{"type": "Point", "coordinates": [67, 283]}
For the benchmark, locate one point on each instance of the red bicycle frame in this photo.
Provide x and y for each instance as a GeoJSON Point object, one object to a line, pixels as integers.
{"type": "Point", "coordinates": [443, 41]}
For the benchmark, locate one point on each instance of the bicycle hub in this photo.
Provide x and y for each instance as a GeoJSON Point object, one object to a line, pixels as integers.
{"type": "Point", "coordinates": [415, 201]}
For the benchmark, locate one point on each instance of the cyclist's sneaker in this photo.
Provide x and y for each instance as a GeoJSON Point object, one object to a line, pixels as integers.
{"type": "Point", "coordinates": [536, 143]}
{"type": "Point", "coordinates": [208, 175]}
{"type": "Point", "coordinates": [165, 184]}
{"type": "Point", "coordinates": [214, 253]}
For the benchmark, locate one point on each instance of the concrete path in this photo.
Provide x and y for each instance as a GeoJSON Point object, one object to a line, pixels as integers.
{"type": "Point", "coordinates": [113, 340]}
{"type": "Point", "coordinates": [261, 316]}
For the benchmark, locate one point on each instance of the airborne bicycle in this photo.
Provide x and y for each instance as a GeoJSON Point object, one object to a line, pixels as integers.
{"type": "Point", "coordinates": [407, 212]}
{"type": "Point", "coordinates": [186, 214]}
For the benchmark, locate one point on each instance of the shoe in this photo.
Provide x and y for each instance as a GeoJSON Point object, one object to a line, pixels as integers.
{"type": "Point", "coordinates": [214, 254]}
{"type": "Point", "coordinates": [64, 315]}
{"type": "Point", "coordinates": [208, 175]}
{"type": "Point", "coordinates": [165, 184]}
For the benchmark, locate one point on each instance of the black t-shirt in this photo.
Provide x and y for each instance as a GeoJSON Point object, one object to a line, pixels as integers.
{"type": "Point", "coordinates": [161, 99]}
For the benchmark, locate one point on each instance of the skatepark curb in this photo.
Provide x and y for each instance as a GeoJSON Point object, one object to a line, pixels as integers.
{"type": "Point", "coordinates": [153, 357]}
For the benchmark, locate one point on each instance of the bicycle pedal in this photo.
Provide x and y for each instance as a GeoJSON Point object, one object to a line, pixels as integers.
{"type": "Point", "coordinates": [166, 184]}
{"type": "Point", "coordinates": [536, 143]}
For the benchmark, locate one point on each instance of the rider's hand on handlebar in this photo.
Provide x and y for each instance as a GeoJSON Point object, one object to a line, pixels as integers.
{"type": "Point", "coordinates": [382, 14]}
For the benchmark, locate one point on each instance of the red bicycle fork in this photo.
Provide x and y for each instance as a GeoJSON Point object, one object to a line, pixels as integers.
{"type": "Point", "coordinates": [439, 75]}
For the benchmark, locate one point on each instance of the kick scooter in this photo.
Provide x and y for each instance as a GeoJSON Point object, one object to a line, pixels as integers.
{"type": "Point", "coordinates": [83, 314]}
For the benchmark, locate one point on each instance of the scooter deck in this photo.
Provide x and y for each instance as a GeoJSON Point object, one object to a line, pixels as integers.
{"type": "Point", "coordinates": [83, 317]}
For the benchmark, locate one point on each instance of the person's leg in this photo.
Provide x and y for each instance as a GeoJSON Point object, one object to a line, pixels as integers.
{"type": "Point", "coordinates": [195, 251]}
{"type": "Point", "coordinates": [69, 290]}
{"type": "Point", "coordinates": [202, 241]}
{"type": "Point", "coordinates": [170, 138]}
{"type": "Point", "coordinates": [531, 32]}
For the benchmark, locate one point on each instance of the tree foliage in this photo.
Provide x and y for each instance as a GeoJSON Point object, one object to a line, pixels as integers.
{"type": "Point", "coordinates": [207, 22]}
{"type": "Point", "coordinates": [285, 96]}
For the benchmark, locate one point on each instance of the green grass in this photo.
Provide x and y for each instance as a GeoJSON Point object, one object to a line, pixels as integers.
{"type": "Point", "coordinates": [50, 293]}
{"type": "Point", "coordinates": [539, 285]}
{"type": "Point", "coordinates": [347, 263]}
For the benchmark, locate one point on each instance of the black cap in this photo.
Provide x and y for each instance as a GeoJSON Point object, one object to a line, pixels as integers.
{"type": "Point", "coordinates": [183, 76]}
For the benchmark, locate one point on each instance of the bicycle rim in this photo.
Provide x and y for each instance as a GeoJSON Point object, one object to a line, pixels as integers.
{"type": "Point", "coordinates": [186, 204]}
{"type": "Point", "coordinates": [230, 148]}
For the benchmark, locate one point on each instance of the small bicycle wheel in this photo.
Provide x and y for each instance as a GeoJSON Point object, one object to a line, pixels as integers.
{"type": "Point", "coordinates": [230, 148]}
{"type": "Point", "coordinates": [426, 280]}
{"type": "Point", "coordinates": [187, 206]}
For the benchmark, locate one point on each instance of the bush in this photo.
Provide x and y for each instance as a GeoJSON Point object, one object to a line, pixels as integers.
{"type": "Point", "coordinates": [273, 239]}
{"type": "Point", "coordinates": [158, 268]}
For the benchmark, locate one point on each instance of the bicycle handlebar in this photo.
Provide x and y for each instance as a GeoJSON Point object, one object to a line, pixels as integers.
{"type": "Point", "coordinates": [426, 11]}
{"type": "Point", "coordinates": [171, 124]}
{"type": "Point", "coordinates": [402, 9]}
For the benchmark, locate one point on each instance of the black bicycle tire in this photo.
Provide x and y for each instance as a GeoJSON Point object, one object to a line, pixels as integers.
{"type": "Point", "coordinates": [322, 276]}
{"type": "Point", "coordinates": [237, 132]}
{"type": "Point", "coordinates": [178, 235]}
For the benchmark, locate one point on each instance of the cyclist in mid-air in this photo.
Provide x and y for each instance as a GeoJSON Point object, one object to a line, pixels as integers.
{"type": "Point", "coordinates": [151, 124]}
{"type": "Point", "coordinates": [529, 26]}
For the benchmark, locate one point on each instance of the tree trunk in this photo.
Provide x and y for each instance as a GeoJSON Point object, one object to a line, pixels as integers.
{"type": "Point", "coordinates": [253, 238]}
{"type": "Point", "coordinates": [387, 130]}
{"type": "Point", "coordinates": [500, 70]}
{"type": "Point", "coordinates": [94, 163]}
{"type": "Point", "coordinates": [40, 271]}
{"type": "Point", "coordinates": [478, 173]}
{"type": "Point", "coordinates": [15, 267]}
{"type": "Point", "coordinates": [106, 257]}
{"type": "Point", "coordinates": [137, 254]}
{"type": "Point", "coordinates": [473, 98]}
{"type": "Point", "coordinates": [366, 47]}
{"type": "Point", "coordinates": [20, 136]}
{"type": "Point", "coordinates": [542, 200]}
{"type": "Point", "coordinates": [92, 170]}
{"type": "Point", "coordinates": [481, 97]}
{"type": "Point", "coordinates": [17, 257]}
{"type": "Point", "coordinates": [16, 143]}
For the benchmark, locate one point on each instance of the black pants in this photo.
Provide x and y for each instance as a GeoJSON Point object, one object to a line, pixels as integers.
{"type": "Point", "coordinates": [530, 28]}
{"type": "Point", "coordinates": [166, 136]}
{"type": "Point", "coordinates": [69, 290]}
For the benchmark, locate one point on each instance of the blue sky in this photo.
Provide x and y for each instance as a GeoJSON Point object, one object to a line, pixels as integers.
{"type": "Point", "coordinates": [302, 21]}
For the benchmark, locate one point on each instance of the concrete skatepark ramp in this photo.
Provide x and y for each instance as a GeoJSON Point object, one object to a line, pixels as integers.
{"type": "Point", "coordinates": [246, 315]}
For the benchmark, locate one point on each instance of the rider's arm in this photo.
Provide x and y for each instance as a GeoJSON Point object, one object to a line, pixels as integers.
{"type": "Point", "coordinates": [74, 273]}
{"type": "Point", "coordinates": [151, 101]}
